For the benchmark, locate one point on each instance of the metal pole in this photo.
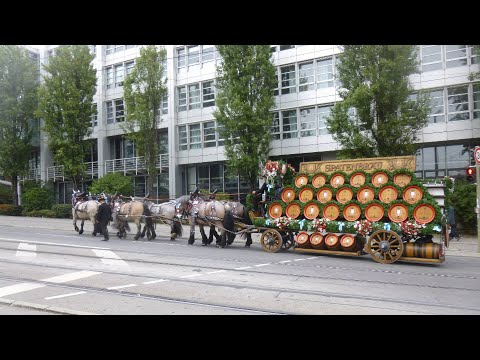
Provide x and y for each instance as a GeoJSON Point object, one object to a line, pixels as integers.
{"type": "Point", "coordinates": [478, 206]}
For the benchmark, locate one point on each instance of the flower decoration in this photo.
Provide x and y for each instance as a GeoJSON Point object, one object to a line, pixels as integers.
{"type": "Point", "coordinates": [320, 224]}
{"type": "Point", "coordinates": [412, 228]}
{"type": "Point", "coordinates": [363, 227]}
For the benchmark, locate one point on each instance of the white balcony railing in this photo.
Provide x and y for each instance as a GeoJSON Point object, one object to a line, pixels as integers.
{"type": "Point", "coordinates": [56, 173]}
{"type": "Point", "coordinates": [135, 165]}
{"type": "Point", "coordinates": [33, 174]}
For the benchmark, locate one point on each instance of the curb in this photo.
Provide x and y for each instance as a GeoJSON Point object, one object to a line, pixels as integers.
{"type": "Point", "coordinates": [53, 309]}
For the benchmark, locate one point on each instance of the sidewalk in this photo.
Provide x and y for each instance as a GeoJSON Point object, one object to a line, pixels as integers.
{"type": "Point", "coordinates": [467, 246]}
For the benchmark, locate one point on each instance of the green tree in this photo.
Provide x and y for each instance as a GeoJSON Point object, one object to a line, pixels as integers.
{"type": "Point", "coordinates": [112, 183]}
{"type": "Point", "coordinates": [18, 102]}
{"type": "Point", "coordinates": [475, 74]}
{"type": "Point", "coordinates": [144, 90]}
{"type": "Point", "coordinates": [246, 80]}
{"type": "Point", "coordinates": [66, 105]}
{"type": "Point", "coordinates": [463, 200]}
{"type": "Point", "coordinates": [378, 116]}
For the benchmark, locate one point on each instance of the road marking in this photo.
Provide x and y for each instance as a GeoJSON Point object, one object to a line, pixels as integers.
{"type": "Point", "coordinates": [51, 243]}
{"type": "Point", "coordinates": [243, 268]}
{"type": "Point", "coordinates": [109, 257]}
{"type": "Point", "coordinates": [261, 265]}
{"type": "Point", "coordinates": [17, 288]}
{"type": "Point", "coordinates": [299, 259]}
{"type": "Point", "coordinates": [26, 250]}
{"type": "Point", "coordinates": [285, 261]}
{"type": "Point", "coordinates": [216, 272]}
{"type": "Point", "coordinates": [65, 295]}
{"type": "Point", "coordinates": [155, 281]}
{"type": "Point", "coordinates": [189, 276]}
{"type": "Point", "coordinates": [121, 286]}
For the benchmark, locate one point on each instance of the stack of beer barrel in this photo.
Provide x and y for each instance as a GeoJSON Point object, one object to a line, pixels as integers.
{"type": "Point", "coordinates": [379, 196]}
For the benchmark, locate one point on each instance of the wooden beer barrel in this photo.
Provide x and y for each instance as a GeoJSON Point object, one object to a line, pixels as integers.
{"type": "Point", "coordinates": [387, 194]}
{"type": "Point", "coordinates": [331, 211]}
{"type": "Point", "coordinates": [319, 180]}
{"type": "Point", "coordinates": [374, 212]}
{"type": "Point", "coordinates": [398, 213]}
{"type": "Point", "coordinates": [349, 243]}
{"type": "Point", "coordinates": [302, 240]}
{"type": "Point", "coordinates": [357, 179]}
{"type": "Point", "coordinates": [344, 195]}
{"type": "Point", "coordinates": [317, 241]}
{"type": "Point", "coordinates": [305, 195]}
{"type": "Point", "coordinates": [324, 195]}
{"type": "Point", "coordinates": [288, 195]}
{"type": "Point", "coordinates": [424, 213]}
{"type": "Point", "coordinates": [292, 210]}
{"type": "Point", "coordinates": [402, 180]}
{"type": "Point", "coordinates": [365, 194]}
{"type": "Point", "coordinates": [412, 194]}
{"type": "Point", "coordinates": [301, 180]}
{"type": "Point", "coordinates": [426, 251]}
{"type": "Point", "coordinates": [275, 210]}
{"type": "Point", "coordinates": [379, 179]}
{"type": "Point", "coordinates": [337, 180]}
{"type": "Point", "coordinates": [311, 211]}
{"type": "Point", "coordinates": [352, 212]}
{"type": "Point", "coordinates": [332, 242]}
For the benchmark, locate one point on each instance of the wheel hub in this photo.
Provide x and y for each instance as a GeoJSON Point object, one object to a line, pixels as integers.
{"type": "Point", "coordinates": [384, 246]}
{"type": "Point", "coordinates": [270, 241]}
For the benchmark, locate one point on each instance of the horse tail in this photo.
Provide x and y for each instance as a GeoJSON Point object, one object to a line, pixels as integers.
{"type": "Point", "coordinates": [148, 216]}
{"type": "Point", "coordinates": [229, 222]}
{"type": "Point", "coordinates": [177, 227]}
{"type": "Point", "coordinates": [126, 225]}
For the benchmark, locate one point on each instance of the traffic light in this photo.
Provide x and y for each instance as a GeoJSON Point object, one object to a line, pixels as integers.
{"type": "Point", "coordinates": [471, 174]}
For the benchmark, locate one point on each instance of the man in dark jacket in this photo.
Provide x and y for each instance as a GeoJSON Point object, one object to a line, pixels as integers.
{"type": "Point", "coordinates": [104, 215]}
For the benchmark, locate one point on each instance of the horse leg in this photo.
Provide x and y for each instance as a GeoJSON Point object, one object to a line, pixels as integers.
{"type": "Point", "coordinates": [75, 225]}
{"type": "Point", "coordinates": [249, 240]}
{"type": "Point", "coordinates": [139, 229]}
{"type": "Point", "coordinates": [204, 236]}
{"type": "Point", "coordinates": [223, 242]}
{"type": "Point", "coordinates": [173, 234]}
{"type": "Point", "coordinates": [81, 227]}
{"type": "Point", "coordinates": [191, 239]}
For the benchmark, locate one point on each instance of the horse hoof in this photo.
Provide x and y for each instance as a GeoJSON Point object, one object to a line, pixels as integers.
{"type": "Point", "coordinates": [247, 245]}
{"type": "Point", "coordinates": [94, 234]}
{"type": "Point", "coordinates": [203, 244]}
{"type": "Point", "coordinates": [80, 232]}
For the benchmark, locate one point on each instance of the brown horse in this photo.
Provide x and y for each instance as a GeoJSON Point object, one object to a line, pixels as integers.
{"type": "Point", "coordinates": [206, 213]}
{"type": "Point", "coordinates": [123, 211]}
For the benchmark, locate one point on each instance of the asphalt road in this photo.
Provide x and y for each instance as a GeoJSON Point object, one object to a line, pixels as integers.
{"type": "Point", "coordinates": [46, 267]}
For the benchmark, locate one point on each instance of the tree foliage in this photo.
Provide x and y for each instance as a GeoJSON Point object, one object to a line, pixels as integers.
{"type": "Point", "coordinates": [112, 183]}
{"type": "Point", "coordinates": [66, 105]}
{"type": "Point", "coordinates": [475, 74]}
{"type": "Point", "coordinates": [246, 80]}
{"type": "Point", "coordinates": [144, 90]}
{"type": "Point", "coordinates": [463, 200]}
{"type": "Point", "coordinates": [18, 102]}
{"type": "Point", "coordinates": [377, 116]}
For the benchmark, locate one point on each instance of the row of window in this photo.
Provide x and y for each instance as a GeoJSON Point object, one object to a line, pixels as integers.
{"type": "Point", "coordinates": [194, 55]}
{"type": "Point", "coordinates": [195, 96]}
{"type": "Point", "coordinates": [437, 57]}
{"type": "Point", "coordinates": [111, 49]}
{"type": "Point", "coordinates": [115, 74]}
{"type": "Point", "coordinates": [115, 111]}
{"type": "Point", "coordinates": [197, 136]}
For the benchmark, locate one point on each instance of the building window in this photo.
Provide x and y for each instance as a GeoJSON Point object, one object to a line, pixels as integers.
{"type": "Point", "coordinates": [456, 55]}
{"type": "Point", "coordinates": [109, 49]}
{"type": "Point", "coordinates": [129, 67]}
{"type": "Point", "coordinates": [476, 101]}
{"type": "Point", "coordinates": [431, 57]}
{"type": "Point", "coordinates": [286, 47]}
{"type": "Point", "coordinates": [119, 111]}
{"type": "Point", "coordinates": [182, 98]}
{"type": "Point", "coordinates": [164, 105]}
{"type": "Point", "coordinates": [130, 46]}
{"type": "Point", "coordinates": [208, 53]}
{"type": "Point", "coordinates": [220, 138]}
{"type": "Point", "coordinates": [437, 113]}
{"type": "Point", "coordinates": [275, 91]}
{"type": "Point", "coordinates": [275, 129]}
{"type": "Point", "coordinates": [322, 113]}
{"type": "Point", "coordinates": [208, 94]}
{"type": "Point", "coordinates": [324, 73]}
{"type": "Point", "coordinates": [182, 137]}
{"type": "Point", "coordinates": [194, 100]}
{"type": "Point", "coordinates": [289, 83]}
{"type": "Point", "coordinates": [289, 119]}
{"type": "Point", "coordinates": [193, 55]}
{"type": "Point", "coordinates": [458, 103]}
{"type": "Point", "coordinates": [273, 49]}
{"type": "Point", "coordinates": [95, 116]}
{"type": "Point", "coordinates": [306, 76]}
{"type": "Point", "coordinates": [308, 122]}
{"type": "Point", "coordinates": [109, 80]}
{"type": "Point", "coordinates": [209, 134]}
{"type": "Point", "coordinates": [195, 136]}
{"type": "Point", "coordinates": [109, 109]}
{"type": "Point", "coordinates": [119, 48]}
{"type": "Point", "coordinates": [180, 57]}
{"type": "Point", "coordinates": [119, 70]}
{"type": "Point", "coordinates": [474, 59]}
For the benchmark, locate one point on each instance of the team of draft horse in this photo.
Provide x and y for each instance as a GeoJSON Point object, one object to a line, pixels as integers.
{"type": "Point", "coordinates": [230, 217]}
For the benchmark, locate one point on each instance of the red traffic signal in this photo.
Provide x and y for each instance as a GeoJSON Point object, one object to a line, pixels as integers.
{"type": "Point", "coordinates": [471, 174]}
{"type": "Point", "coordinates": [470, 171]}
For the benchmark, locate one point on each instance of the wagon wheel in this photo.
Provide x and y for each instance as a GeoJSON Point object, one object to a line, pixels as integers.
{"type": "Point", "coordinates": [288, 241]}
{"type": "Point", "coordinates": [271, 240]}
{"type": "Point", "coordinates": [385, 246]}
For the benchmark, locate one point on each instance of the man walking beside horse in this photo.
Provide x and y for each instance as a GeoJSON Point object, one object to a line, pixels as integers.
{"type": "Point", "coordinates": [104, 215]}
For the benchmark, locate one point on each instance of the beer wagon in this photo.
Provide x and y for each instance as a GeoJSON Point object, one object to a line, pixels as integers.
{"type": "Point", "coordinates": [371, 206]}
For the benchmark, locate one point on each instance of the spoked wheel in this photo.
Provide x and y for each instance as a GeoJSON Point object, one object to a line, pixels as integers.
{"type": "Point", "coordinates": [288, 241]}
{"type": "Point", "coordinates": [385, 246]}
{"type": "Point", "coordinates": [271, 240]}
